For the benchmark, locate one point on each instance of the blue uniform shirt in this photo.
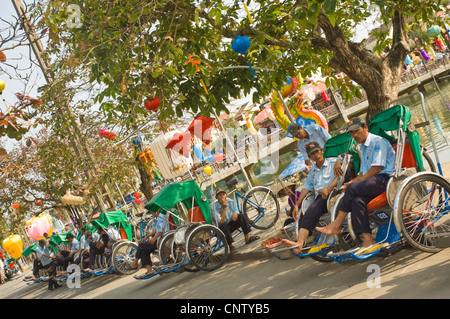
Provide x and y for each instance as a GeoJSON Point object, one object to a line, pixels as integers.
{"type": "Point", "coordinates": [40, 251]}
{"type": "Point", "coordinates": [377, 151]}
{"type": "Point", "coordinates": [316, 134]}
{"type": "Point", "coordinates": [74, 245]}
{"type": "Point", "coordinates": [320, 178]}
{"type": "Point", "coordinates": [231, 210]}
{"type": "Point", "coordinates": [161, 224]}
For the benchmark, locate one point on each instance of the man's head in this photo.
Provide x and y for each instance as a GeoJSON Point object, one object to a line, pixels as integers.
{"type": "Point", "coordinates": [314, 151]}
{"type": "Point", "coordinates": [221, 194]}
{"type": "Point", "coordinates": [69, 237]}
{"type": "Point", "coordinates": [358, 129]}
{"type": "Point", "coordinates": [42, 242]}
{"type": "Point", "coordinates": [297, 131]}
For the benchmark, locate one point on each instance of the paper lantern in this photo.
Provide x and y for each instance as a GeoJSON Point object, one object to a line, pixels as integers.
{"type": "Point", "coordinates": [38, 202]}
{"type": "Point", "coordinates": [137, 201]}
{"type": "Point", "coordinates": [145, 156]}
{"type": "Point", "coordinates": [103, 133]}
{"type": "Point", "coordinates": [424, 55]}
{"type": "Point", "coordinates": [37, 228]}
{"type": "Point", "coordinates": [152, 104]}
{"type": "Point", "coordinates": [434, 31]}
{"type": "Point", "coordinates": [13, 245]}
{"type": "Point", "coordinates": [219, 157]}
{"type": "Point", "coordinates": [15, 206]}
{"type": "Point", "coordinates": [111, 136]}
{"type": "Point", "coordinates": [207, 170]}
{"type": "Point", "coordinates": [2, 57]}
{"type": "Point", "coordinates": [136, 195]}
{"type": "Point", "coordinates": [325, 96]}
{"type": "Point", "coordinates": [2, 86]}
{"type": "Point", "coordinates": [240, 44]}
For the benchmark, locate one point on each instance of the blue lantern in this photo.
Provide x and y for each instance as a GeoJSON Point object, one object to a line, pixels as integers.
{"type": "Point", "coordinates": [241, 44]}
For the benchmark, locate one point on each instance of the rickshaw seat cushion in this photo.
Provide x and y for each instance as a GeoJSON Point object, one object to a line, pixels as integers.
{"type": "Point", "coordinates": [195, 215]}
{"type": "Point", "coordinates": [377, 202]}
{"type": "Point", "coordinates": [408, 160]}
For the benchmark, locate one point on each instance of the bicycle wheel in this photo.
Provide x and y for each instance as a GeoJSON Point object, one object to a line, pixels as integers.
{"type": "Point", "coordinates": [123, 256]}
{"type": "Point", "coordinates": [346, 240]}
{"type": "Point", "coordinates": [421, 211]}
{"type": "Point", "coordinates": [207, 247]}
{"type": "Point", "coordinates": [165, 248]}
{"type": "Point", "coordinates": [261, 207]}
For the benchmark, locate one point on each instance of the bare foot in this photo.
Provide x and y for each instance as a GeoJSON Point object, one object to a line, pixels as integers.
{"type": "Point", "coordinates": [331, 229]}
{"type": "Point", "coordinates": [289, 243]}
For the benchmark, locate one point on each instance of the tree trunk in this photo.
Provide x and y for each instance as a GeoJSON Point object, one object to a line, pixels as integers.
{"type": "Point", "coordinates": [379, 77]}
{"type": "Point", "coordinates": [146, 185]}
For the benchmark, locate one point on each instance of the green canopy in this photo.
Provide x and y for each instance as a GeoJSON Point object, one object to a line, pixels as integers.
{"type": "Point", "coordinates": [30, 249]}
{"type": "Point", "coordinates": [116, 218]}
{"type": "Point", "coordinates": [174, 193]}
{"type": "Point", "coordinates": [341, 144]}
{"type": "Point", "coordinates": [55, 240]}
{"type": "Point", "coordinates": [389, 120]}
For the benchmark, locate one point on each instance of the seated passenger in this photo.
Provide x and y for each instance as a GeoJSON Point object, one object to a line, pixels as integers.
{"type": "Point", "coordinates": [226, 215]}
{"type": "Point", "coordinates": [149, 244]}
{"type": "Point", "coordinates": [67, 256]}
{"type": "Point", "coordinates": [321, 181]}
{"type": "Point", "coordinates": [377, 165]}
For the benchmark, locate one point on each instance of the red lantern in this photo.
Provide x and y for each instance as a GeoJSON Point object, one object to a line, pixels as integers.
{"type": "Point", "coordinates": [152, 104]}
{"type": "Point", "coordinates": [111, 136]}
{"type": "Point", "coordinates": [38, 202]}
{"type": "Point", "coordinates": [137, 200]}
{"type": "Point", "coordinates": [136, 195]}
{"type": "Point", "coordinates": [16, 206]}
{"type": "Point", "coordinates": [325, 96]}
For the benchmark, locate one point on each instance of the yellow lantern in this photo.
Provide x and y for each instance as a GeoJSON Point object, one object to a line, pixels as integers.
{"type": "Point", "coordinates": [2, 86]}
{"type": "Point", "coordinates": [145, 156]}
{"type": "Point", "coordinates": [13, 245]}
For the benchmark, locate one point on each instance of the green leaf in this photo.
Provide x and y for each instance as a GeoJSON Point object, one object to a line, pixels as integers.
{"type": "Point", "coordinates": [329, 6]}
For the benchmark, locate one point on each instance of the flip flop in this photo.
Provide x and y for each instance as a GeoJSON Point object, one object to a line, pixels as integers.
{"type": "Point", "coordinates": [252, 239]}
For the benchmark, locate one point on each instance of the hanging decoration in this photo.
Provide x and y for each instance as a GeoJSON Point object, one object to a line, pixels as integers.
{"type": "Point", "coordinates": [325, 96]}
{"type": "Point", "coordinates": [13, 245]}
{"type": "Point", "coordinates": [425, 56]}
{"type": "Point", "coordinates": [137, 142]}
{"type": "Point", "coordinates": [16, 206]}
{"type": "Point", "coordinates": [302, 116]}
{"type": "Point", "coordinates": [2, 57]}
{"type": "Point", "coordinates": [2, 86]}
{"type": "Point", "coordinates": [248, 13]}
{"type": "Point", "coordinates": [434, 31]}
{"type": "Point", "coordinates": [37, 226]}
{"type": "Point", "coordinates": [240, 45]}
{"type": "Point", "coordinates": [194, 60]}
{"type": "Point", "coordinates": [104, 133]}
{"type": "Point", "coordinates": [152, 104]}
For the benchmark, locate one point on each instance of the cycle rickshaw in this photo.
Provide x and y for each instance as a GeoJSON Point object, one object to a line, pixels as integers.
{"type": "Point", "coordinates": [193, 243]}
{"type": "Point", "coordinates": [415, 205]}
{"type": "Point", "coordinates": [413, 209]}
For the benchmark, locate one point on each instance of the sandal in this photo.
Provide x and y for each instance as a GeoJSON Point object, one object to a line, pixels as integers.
{"type": "Point", "coordinates": [233, 250]}
{"type": "Point", "coordinates": [251, 239]}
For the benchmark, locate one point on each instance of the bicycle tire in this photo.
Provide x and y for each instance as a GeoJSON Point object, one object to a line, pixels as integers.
{"type": "Point", "coordinates": [261, 208]}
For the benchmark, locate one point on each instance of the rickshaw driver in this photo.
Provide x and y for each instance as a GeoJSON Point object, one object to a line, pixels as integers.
{"type": "Point", "coordinates": [309, 134]}
{"type": "Point", "coordinates": [321, 180]}
{"type": "Point", "coordinates": [149, 244]}
{"type": "Point", "coordinates": [225, 213]}
{"type": "Point", "coordinates": [377, 165]}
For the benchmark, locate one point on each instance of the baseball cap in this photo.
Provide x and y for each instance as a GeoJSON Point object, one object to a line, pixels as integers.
{"type": "Point", "coordinates": [293, 129]}
{"type": "Point", "coordinates": [220, 190]}
{"type": "Point", "coordinates": [311, 147]}
{"type": "Point", "coordinates": [355, 123]}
